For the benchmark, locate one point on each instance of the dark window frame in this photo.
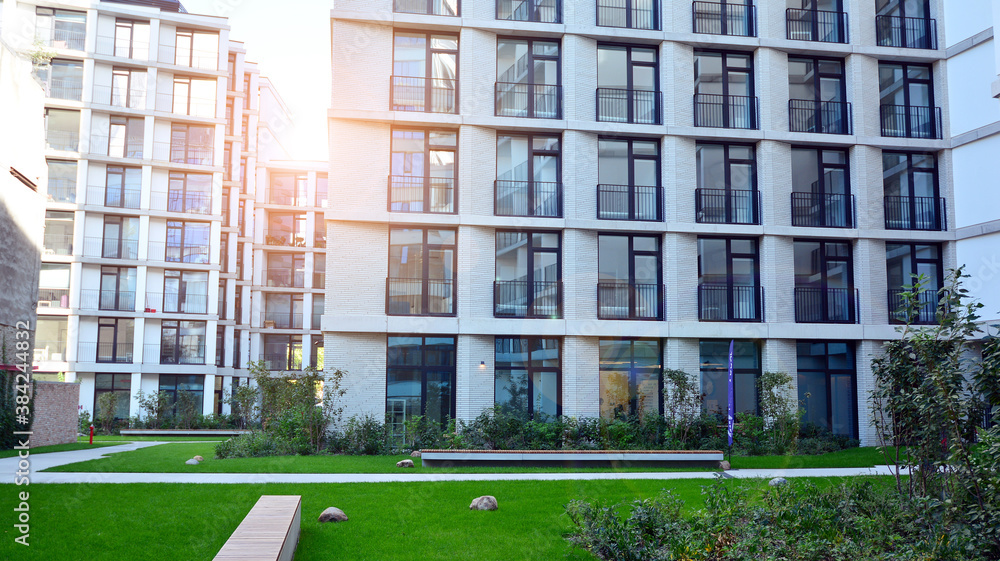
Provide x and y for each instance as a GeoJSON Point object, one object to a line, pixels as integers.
{"type": "Point", "coordinates": [533, 343]}
{"type": "Point", "coordinates": [634, 370]}
{"type": "Point", "coordinates": [176, 357]}
{"type": "Point", "coordinates": [530, 58]}
{"type": "Point", "coordinates": [756, 372]}
{"type": "Point", "coordinates": [425, 262]}
{"type": "Point", "coordinates": [428, 77]}
{"type": "Point", "coordinates": [727, 72]}
{"type": "Point", "coordinates": [829, 373]}
{"type": "Point", "coordinates": [632, 284]}
{"type": "Point", "coordinates": [910, 191]}
{"type": "Point", "coordinates": [183, 245]}
{"type": "Point", "coordinates": [530, 269]}
{"type": "Point", "coordinates": [426, 178]}
{"type": "Point", "coordinates": [530, 160]}
{"type": "Point", "coordinates": [117, 325]}
{"type": "Point", "coordinates": [630, 80]}
{"type": "Point", "coordinates": [425, 369]}
{"type": "Point", "coordinates": [729, 257]}
{"type": "Point", "coordinates": [728, 162]}
{"type": "Point", "coordinates": [124, 394]}
{"type": "Point", "coordinates": [820, 268]}
{"type": "Point", "coordinates": [824, 194]}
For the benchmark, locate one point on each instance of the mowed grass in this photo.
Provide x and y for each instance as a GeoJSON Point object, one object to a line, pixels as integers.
{"type": "Point", "coordinates": [119, 438]}
{"type": "Point", "coordinates": [57, 448]}
{"type": "Point", "coordinates": [388, 521]}
{"type": "Point", "coordinates": [852, 457]}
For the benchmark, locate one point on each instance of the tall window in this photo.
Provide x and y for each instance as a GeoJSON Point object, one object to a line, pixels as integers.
{"type": "Point", "coordinates": [319, 271]}
{"type": "Point", "coordinates": [633, 14]}
{"type": "Point", "coordinates": [62, 29]}
{"type": "Point", "coordinates": [629, 278]}
{"type": "Point", "coordinates": [58, 237]}
{"type": "Point", "coordinates": [423, 171]}
{"type": "Point", "coordinates": [114, 339]}
{"type": "Point", "coordinates": [631, 377]}
{"type": "Point", "coordinates": [425, 72]}
{"type": "Point", "coordinates": [194, 97]}
{"type": "Point", "coordinates": [65, 79]}
{"type": "Point", "coordinates": [122, 187]}
{"type": "Point", "coordinates": [727, 184]}
{"type": "Point", "coordinates": [121, 237]}
{"type": "Point", "coordinates": [120, 384]}
{"type": "Point", "coordinates": [627, 85]}
{"type": "Point", "coordinates": [816, 20]}
{"type": "Point", "coordinates": [528, 82]}
{"type": "Point", "coordinates": [192, 144]}
{"type": "Point", "coordinates": [421, 272]}
{"type": "Point", "coordinates": [128, 89]}
{"type": "Point", "coordinates": [131, 40]}
{"type": "Point", "coordinates": [182, 342]}
{"type": "Point", "coordinates": [185, 291]}
{"type": "Point", "coordinates": [420, 380]}
{"type": "Point", "coordinates": [285, 270]}
{"type": "Point", "coordinates": [725, 17]}
{"type": "Point", "coordinates": [283, 311]}
{"type": "Point", "coordinates": [176, 384]}
{"type": "Point", "coordinates": [528, 376]}
{"type": "Point", "coordinates": [528, 176]}
{"type": "Point", "coordinates": [197, 49]}
{"type": "Point", "coordinates": [817, 94]}
{"type": "Point", "coordinates": [729, 280]}
{"type": "Point", "coordinates": [285, 228]}
{"type": "Point", "coordinates": [528, 275]}
{"type": "Point", "coordinates": [51, 334]}
{"type": "Point", "coordinates": [231, 73]}
{"type": "Point", "coordinates": [628, 177]}
{"type": "Point", "coordinates": [910, 185]}
{"type": "Point", "coordinates": [724, 90]}
{"type": "Point", "coordinates": [190, 192]}
{"type": "Point", "coordinates": [821, 190]}
{"type": "Point", "coordinates": [187, 242]}
{"type": "Point", "coordinates": [289, 189]}
{"type": "Point", "coordinates": [317, 352]}
{"type": "Point", "coordinates": [828, 385]}
{"type": "Point", "coordinates": [282, 352]}
{"type": "Point", "coordinates": [904, 263]}
{"type": "Point", "coordinates": [428, 7]}
{"type": "Point", "coordinates": [715, 373]}
{"type": "Point", "coordinates": [824, 282]}
{"type": "Point", "coordinates": [62, 181]}
{"type": "Point", "coordinates": [125, 137]}
{"type": "Point", "coordinates": [905, 23]}
{"type": "Point", "coordinates": [62, 129]}
{"type": "Point", "coordinates": [540, 11]}
{"type": "Point", "coordinates": [117, 291]}
{"type": "Point", "coordinates": [907, 101]}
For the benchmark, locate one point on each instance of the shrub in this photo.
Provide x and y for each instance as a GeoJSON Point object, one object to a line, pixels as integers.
{"type": "Point", "coordinates": [254, 444]}
{"type": "Point", "coordinates": [107, 404]}
{"type": "Point", "coordinates": [362, 435]}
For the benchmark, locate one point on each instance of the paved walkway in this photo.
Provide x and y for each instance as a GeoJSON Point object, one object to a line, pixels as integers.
{"type": "Point", "coordinates": [45, 461]}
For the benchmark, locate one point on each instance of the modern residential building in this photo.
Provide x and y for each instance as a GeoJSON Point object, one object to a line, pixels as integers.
{"type": "Point", "coordinates": [542, 204]}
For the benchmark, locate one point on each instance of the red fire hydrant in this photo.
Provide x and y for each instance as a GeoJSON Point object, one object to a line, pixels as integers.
{"type": "Point", "coordinates": [91, 434]}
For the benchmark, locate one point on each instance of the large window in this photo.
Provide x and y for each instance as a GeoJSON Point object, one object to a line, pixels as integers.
{"type": "Point", "coordinates": [627, 85]}
{"type": "Point", "coordinates": [828, 386]}
{"type": "Point", "coordinates": [725, 17]}
{"type": "Point", "coordinates": [528, 378]}
{"type": "Point", "coordinates": [285, 228]}
{"type": "Point", "coordinates": [907, 107]}
{"type": "Point", "coordinates": [62, 129]}
{"type": "Point", "coordinates": [182, 342]}
{"type": "Point", "coordinates": [121, 238]}
{"type": "Point", "coordinates": [117, 291]}
{"type": "Point", "coordinates": [282, 352]}
{"type": "Point", "coordinates": [131, 40]}
{"type": "Point", "coordinates": [910, 185]}
{"type": "Point", "coordinates": [821, 191]}
{"type": "Point", "coordinates": [322, 190]}
{"type": "Point", "coordinates": [128, 89]}
{"type": "Point", "coordinates": [50, 339]}
{"type": "Point", "coordinates": [53, 285]}
{"type": "Point", "coordinates": [192, 144]}
{"type": "Point", "coordinates": [185, 292]}
{"type": "Point", "coordinates": [633, 14]}
{"type": "Point", "coordinates": [628, 177]}
{"type": "Point", "coordinates": [125, 137]}
{"type": "Point", "coordinates": [120, 384]}
{"type": "Point", "coordinates": [629, 279]}
{"type": "Point", "coordinates": [816, 20]}
{"type": "Point", "coordinates": [727, 184]}
{"type": "Point", "coordinates": [421, 272]}
{"type": "Point", "coordinates": [427, 7]}
{"type": "Point", "coordinates": [423, 171]}
{"type": "Point", "coordinates": [58, 236]}
{"type": "Point", "coordinates": [528, 176]}
{"type": "Point", "coordinates": [187, 242]}
{"type": "Point", "coordinates": [283, 311]}
{"type": "Point", "coordinates": [724, 90]}
{"type": "Point", "coordinates": [817, 94]}
{"type": "Point", "coordinates": [174, 385]}
{"type": "Point", "coordinates": [904, 263]}
{"type": "Point", "coordinates": [122, 188]}
{"type": "Point", "coordinates": [715, 375]}
{"type": "Point", "coordinates": [540, 11]}
{"type": "Point", "coordinates": [115, 339]}
{"type": "Point", "coordinates": [824, 282]}
{"type": "Point", "coordinates": [729, 280]}
{"type": "Point", "coordinates": [190, 192]}
{"type": "Point", "coordinates": [425, 72]}
{"type": "Point", "coordinates": [65, 79]}
{"type": "Point", "coordinates": [420, 380]}
{"type": "Point", "coordinates": [194, 97]}
{"type": "Point", "coordinates": [197, 49]}
{"type": "Point", "coordinates": [288, 189]}
{"type": "Point", "coordinates": [61, 29]}
{"type": "Point", "coordinates": [905, 23]}
{"type": "Point", "coordinates": [528, 275]}
{"type": "Point", "coordinates": [285, 270]}
{"type": "Point", "coordinates": [631, 377]}
{"type": "Point", "coordinates": [528, 82]}
{"type": "Point", "coordinates": [62, 181]}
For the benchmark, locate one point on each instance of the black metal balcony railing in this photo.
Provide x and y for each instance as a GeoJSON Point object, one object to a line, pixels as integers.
{"type": "Point", "coordinates": [110, 300]}
{"type": "Point", "coordinates": [909, 121]}
{"type": "Point", "coordinates": [632, 14]}
{"type": "Point", "coordinates": [110, 248]}
{"type": "Point", "coordinates": [816, 25]}
{"type": "Point", "coordinates": [538, 11]}
{"type": "Point", "coordinates": [174, 303]}
{"type": "Point", "coordinates": [624, 300]}
{"type": "Point", "coordinates": [727, 206]}
{"type": "Point", "coordinates": [434, 195]}
{"type": "Point", "coordinates": [113, 197]}
{"type": "Point", "coordinates": [114, 352]}
{"type": "Point", "coordinates": [828, 117]}
{"type": "Point", "coordinates": [630, 202]}
{"type": "Point", "coordinates": [823, 210]}
{"type": "Point", "coordinates": [521, 299]}
{"type": "Point", "coordinates": [53, 297]}
{"type": "Point", "coordinates": [537, 101]}
{"type": "Point", "coordinates": [915, 213]}
{"type": "Point", "coordinates": [279, 361]}
{"type": "Point", "coordinates": [908, 33]}
{"type": "Point", "coordinates": [282, 277]}
{"type": "Point", "coordinates": [724, 302]}
{"type": "Point", "coordinates": [282, 320]}
{"type": "Point", "coordinates": [926, 308]}
{"type": "Point", "coordinates": [427, 7]}
{"type": "Point", "coordinates": [527, 198]}
{"type": "Point", "coordinates": [723, 19]}
{"type": "Point", "coordinates": [284, 238]}
{"type": "Point", "coordinates": [168, 352]}
{"type": "Point", "coordinates": [628, 106]}
{"type": "Point", "coordinates": [419, 297]}
{"type": "Point", "coordinates": [188, 202]}
{"type": "Point", "coordinates": [826, 305]}
{"type": "Point", "coordinates": [431, 95]}
{"type": "Point", "coordinates": [726, 111]}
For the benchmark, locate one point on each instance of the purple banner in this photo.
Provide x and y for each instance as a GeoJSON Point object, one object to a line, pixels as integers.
{"type": "Point", "coordinates": [732, 397]}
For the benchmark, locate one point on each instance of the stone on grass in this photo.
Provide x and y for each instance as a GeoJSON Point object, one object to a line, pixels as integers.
{"type": "Point", "coordinates": [486, 502]}
{"type": "Point", "coordinates": [725, 465]}
{"type": "Point", "coordinates": [333, 514]}
{"type": "Point", "coordinates": [404, 464]}
{"type": "Point", "coordinates": [415, 454]}
{"type": "Point", "coordinates": [192, 462]}
{"type": "Point", "coordinates": [778, 482]}
{"type": "Point", "coordinates": [199, 458]}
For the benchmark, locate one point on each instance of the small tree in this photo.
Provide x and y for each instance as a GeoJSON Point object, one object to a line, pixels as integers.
{"type": "Point", "coordinates": [779, 410]}
{"type": "Point", "coordinates": [107, 404]}
{"type": "Point", "coordinates": [154, 407]}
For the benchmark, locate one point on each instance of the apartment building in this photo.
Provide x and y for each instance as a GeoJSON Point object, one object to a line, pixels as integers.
{"type": "Point", "coordinates": [542, 205]}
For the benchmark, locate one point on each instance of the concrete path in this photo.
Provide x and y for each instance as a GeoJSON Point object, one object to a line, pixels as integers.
{"type": "Point", "coordinates": [44, 461]}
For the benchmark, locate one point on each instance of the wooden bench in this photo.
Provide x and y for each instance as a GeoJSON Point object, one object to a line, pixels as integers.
{"type": "Point", "coordinates": [269, 532]}
{"type": "Point", "coordinates": [182, 432]}
{"type": "Point", "coordinates": [572, 458]}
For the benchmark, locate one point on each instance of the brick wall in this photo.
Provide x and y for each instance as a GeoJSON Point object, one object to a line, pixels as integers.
{"type": "Point", "coordinates": [55, 413]}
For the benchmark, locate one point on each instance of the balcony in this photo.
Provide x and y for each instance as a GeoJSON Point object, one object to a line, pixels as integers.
{"type": "Point", "coordinates": [630, 202]}
{"type": "Point", "coordinates": [521, 299]}
{"type": "Point", "coordinates": [123, 47]}
{"type": "Point", "coordinates": [725, 111]}
{"type": "Point", "coordinates": [907, 33]}
{"type": "Point", "coordinates": [107, 352]}
{"type": "Point", "coordinates": [282, 320]}
{"type": "Point", "coordinates": [113, 197]}
{"type": "Point", "coordinates": [186, 105]}
{"type": "Point", "coordinates": [166, 352]}
{"type": "Point", "coordinates": [134, 98]}
{"type": "Point", "coordinates": [174, 303]}
{"type": "Point", "coordinates": [279, 361]}
{"type": "Point", "coordinates": [623, 300]}
{"type": "Point", "coordinates": [816, 25]}
{"type": "Point", "coordinates": [190, 154]}
{"type": "Point", "coordinates": [823, 210]}
{"type": "Point", "coordinates": [426, 7]}
{"type": "Point", "coordinates": [925, 312]}
{"type": "Point", "coordinates": [284, 238]}
{"type": "Point", "coordinates": [724, 302]}
{"type": "Point", "coordinates": [535, 101]}
{"type": "Point", "coordinates": [727, 206]}
{"type": "Point", "coordinates": [723, 19]}
{"type": "Point", "coordinates": [53, 297]}
{"type": "Point", "coordinates": [57, 244]}
{"type": "Point", "coordinates": [538, 11]}
{"type": "Point", "coordinates": [430, 95]}
{"type": "Point", "coordinates": [826, 117]}
{"type": "Point", "coordinates": [105, 145]}
{"type": "Point", "coordinates": [107, 300]}
{"type": "Point", "coordinates": [62, 190]}
{"type": "Point", "coordinates": [908, 121]}
{"type": "Point", "coordinates": [916, 213]}
{"type": "Point", "coordinates": [49, 351]}
{"type": "Point", "coordinates": [68, 35]}
{"type": "Point", "coordinates": [281, 277]}
{"type": "Point", "coordinates": [435, 195]}
{"type": "Point", "coordinates": [628, 106]}
{"type": "Point", "coordinates": [112, 248]}
{"type": "Point", "coordinates": [632, 14]}
{"type": "Point", "coordinates": [193, 202]}
{"type": "Point", "coordinates": [826, 305]}
{"type": "Point", "coordinates": [527, 198]}
{"type": "Point", "coordinates": [62, 140]}
{"type": "Point", "coordinates": [419, 297]}
{"type": "Point", "coordinates": [65, 88]}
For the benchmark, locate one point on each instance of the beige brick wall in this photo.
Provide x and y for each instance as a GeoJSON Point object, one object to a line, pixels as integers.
{"type": "Point", "coordinates": [55, 420]}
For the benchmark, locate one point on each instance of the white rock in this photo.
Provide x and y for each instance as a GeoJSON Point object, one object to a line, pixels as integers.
{"type": "Point", "coordinates": [778, 482]}
{"type": "Point", "coordinates": [486, 502]}
{"type": "Point", "coordinates": [404, 464]}
{"type": "Point", "coordinates": [333, 514]}
{"type": "Point", "coordinates": [192, 462]}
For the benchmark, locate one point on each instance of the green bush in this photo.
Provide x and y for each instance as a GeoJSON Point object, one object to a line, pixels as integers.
{"type": "Point", "coordinates": [362, 435]}
{"type": "Point", "coordinates": [254, 444]}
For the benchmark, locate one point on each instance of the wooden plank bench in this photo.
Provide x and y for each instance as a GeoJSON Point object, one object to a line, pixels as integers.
{"type": "Point", "coordinates": [270, 532]}
{"type": "Point", "coordinates": [572, 458]}
{"type": "Point", "coordinates": [182, 432]}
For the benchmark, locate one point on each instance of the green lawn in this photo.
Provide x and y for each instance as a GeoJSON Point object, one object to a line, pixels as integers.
{"type": "Point", "coordinates": [118, 438]}
{"type": "Point", "coordinates": [57, 448]}
{"type": "Point", "coordinates": [388, 521]}
{"type": "Point", "coordinates": [851, 457]}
